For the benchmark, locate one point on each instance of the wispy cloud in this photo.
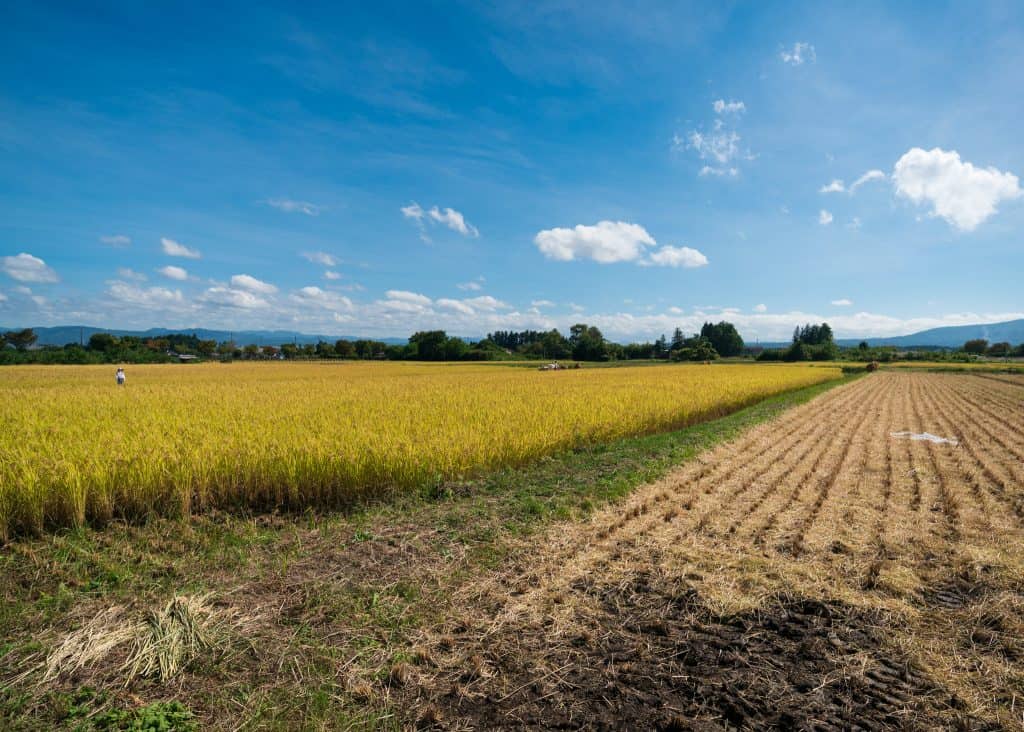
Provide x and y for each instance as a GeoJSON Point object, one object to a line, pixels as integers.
{"type": "Point", "coordinates": [116, 240]}
{"type": "Point", "coordinates": [842, 302]}
{"type": "Point", "coordinates": [824, 217]}
{"type": "Point", "coordinates": [327, 260]}
{"type": "Point", "coordinates": [289, 205]}
{"type": "Point", "coordinates": [173, 249]}
{"type": "Point", "coordinates": [447, 217]}
{"type": "Point", "coordinates": [799, 54]}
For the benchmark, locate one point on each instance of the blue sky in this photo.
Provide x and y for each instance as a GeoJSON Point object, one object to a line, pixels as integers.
{"type": "Point", "coordinates": [386, 167]}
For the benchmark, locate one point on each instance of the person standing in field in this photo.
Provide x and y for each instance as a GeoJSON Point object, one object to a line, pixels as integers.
{"type": "Point", "coordinates": [120, 376]}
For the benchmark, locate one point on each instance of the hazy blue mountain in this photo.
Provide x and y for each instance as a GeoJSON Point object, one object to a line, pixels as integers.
{"type": "Point", "coordinates": [953, 336]}
{"type": "Point", "coordinates": [63, 334]}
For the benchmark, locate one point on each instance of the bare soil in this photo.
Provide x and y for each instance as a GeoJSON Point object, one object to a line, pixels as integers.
{"type": "Point", "coordinates": [817, 573]}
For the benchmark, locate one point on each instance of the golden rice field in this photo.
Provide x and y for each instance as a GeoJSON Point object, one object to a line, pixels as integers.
{"type": "Point", "coordinates": [76, 449]}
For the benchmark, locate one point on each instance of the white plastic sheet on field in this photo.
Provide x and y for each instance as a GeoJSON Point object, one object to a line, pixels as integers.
{"type": "Point", "coordinates": [925, 436]}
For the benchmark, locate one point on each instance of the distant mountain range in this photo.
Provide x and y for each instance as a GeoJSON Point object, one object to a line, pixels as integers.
{"type": "Point", "coordinates": [952, 336]}
{"type": "Point", "coordinates": [63, 334]}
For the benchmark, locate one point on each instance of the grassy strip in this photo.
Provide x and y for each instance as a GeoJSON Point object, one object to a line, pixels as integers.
{"type": "Point", "coordinates": [51, 581]}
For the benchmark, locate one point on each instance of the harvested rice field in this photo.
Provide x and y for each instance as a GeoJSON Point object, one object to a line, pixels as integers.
{"type": "Point", "coordinates": [847, 557]}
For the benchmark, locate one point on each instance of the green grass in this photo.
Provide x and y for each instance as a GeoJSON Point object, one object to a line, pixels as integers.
{"type": "Point", "coordinates": [342, 610]}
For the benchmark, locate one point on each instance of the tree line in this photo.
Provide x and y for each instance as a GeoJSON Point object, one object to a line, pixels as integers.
{"type": "Point", "coordinates": [583, 343]}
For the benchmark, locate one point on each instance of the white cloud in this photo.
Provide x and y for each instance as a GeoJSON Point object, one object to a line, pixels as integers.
{"type": "Point", "coordinates": [836, 186]}
{"type": "Point", "coordinates": [958, 192]}
{"type": "Point", "coordinates": [331, 275]}
{"type": "Point", "coordinates": [26, 268]}
{"type": "Point", "coordinates": [147, 298]}
{"type": "Point", "coordinates": [719, 172]}
{"type": "Point", "coordinates": [116, 240]}
{"type": "Point", "coordinates": [174, 249]}
{"type": "Point", "coordinates": [669, 256]}
{"type": "Point", "coordinates": [731, 107]}
{"type": "Point", "coordinates": [456, 305]}
{"type": "Point", "coordinates": [323, 258]}
{"type": "Point", "coordinates": [720, 146]}
{"type": "Point", "coordinates": [855, 223]}
{"type": "Point", "coordinates": [542, 304]}
{"type": "Point", "coordinates": [173, 273]}
{"type": "Point", "coordinates": [800, 53]}
{"type": "Point", "coordinates": [761, 308]}
{"type": "Point", "coordinates": [613, 241]}
{"type": "Point", "coordinates": [448, 217]}
{"type": "Point", "coordinates": [313, 296]}
{"type": "Point", "coordinates": [413, 211]}
{"type": "Point", "coordinates": [232, 298]}
{"type": "Point", "coordinates": [824, 217]}
{"type": "Point", "coordinates": [409, 297]}
{"type": "Point", "coordinates": [867, 178]}
{"type": "Point", "coordinates": [843, 302]}
{"type": "Point", "coordinates": [485, 302]}
{"type": "Point", "coordinates": [247, 282]}
{"type": "Point", "coordinates": [290, 206]}
{"type": "Point", "coordinates": [605, 242]}
{"type": "Point", "coordinates": [3, 297]}
{"type": "Point", "coordinates": [129, 274]}
{"type": "Point", "coordinates": [473, 286]}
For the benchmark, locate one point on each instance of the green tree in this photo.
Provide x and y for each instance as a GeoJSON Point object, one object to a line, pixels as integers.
{"type": "Point", "coordinates": [587, 343]}
{"type": "Point", "coordinates": [21, 339]}
{"type": "Point", "coordinates": [678, 340]}
{"type": "Point", "coordinates": [724, 338]}
{"type": "Point", "coordinates": [102, 342]}
{"type": "Point", "coordinates": [344, 349]}
{"type": "Point", "coordinates": [206, 348]}
{"type": "Point", "coordinates": [1000, 350]}
{"type": "Point", "coordinates": [430, 344]}
{"type": "Point", "coordinates": [977, 346]}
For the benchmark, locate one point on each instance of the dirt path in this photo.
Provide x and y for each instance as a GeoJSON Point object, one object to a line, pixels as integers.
{"type": "Point", "coordinates": [816, 573]}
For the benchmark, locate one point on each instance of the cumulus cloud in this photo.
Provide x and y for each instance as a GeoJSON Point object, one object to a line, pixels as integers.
{"type": "Point", "coordinates": [331, 275]}
{"type": "Point", "coordinates": [410, 297]}
{"type": "Point", "coordinates": [836, 186]}
{"type": "Point", "coordinates": [613, 241]}
{"type": "Point", "coordinates": [799, 54]}
{"type": "Point", "coordinates": [605, 242]}
{"type": "Point", "coordinates": [173, 273]}
{"type": "Point", "coordinates": [316, 297]}
{"type": "Point", "coordinates": [323, 258]}
{"type": "Point", "coordinates": [542, 304]}
{"type": "Point", "coordinates": [291, 206]}
{"type": "Point", "coordinates": [842, 302]}
{"type": "Point", "coordinates": [761, 308]}
{"type": "Point", "coordinates": [457, 305]}
{"type": "Point", "coordinates": [131, 275]}
{"type": "Point", "coordinates": [148, 298]}
{"type": "Point", "coordinates": [116, 240]}
{"type": "Point", "coordinates": [174, 249]}
{"type": "Point", "coordinates": [251, 284]}
{"type": "Point", "coordinates": [26, 268]}
{"type": "Point", "coordinates": [233, 298]}
{"type": "Point", "coordinates": [958, 192]}
{"type": "Point", "coordinates": [447, 217]}
{"type": "Point", "coordinates": [731, 107]}
{"type": "Point", "coordinates": [824, 217]}
{"type": "Point", "coordinates": [668, 256]}
{"type": "Point", "coordinates": [485, 302]}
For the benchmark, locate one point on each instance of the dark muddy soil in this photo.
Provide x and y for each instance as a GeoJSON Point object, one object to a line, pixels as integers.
{"type": "Point", "coordinates": [648, 657]}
